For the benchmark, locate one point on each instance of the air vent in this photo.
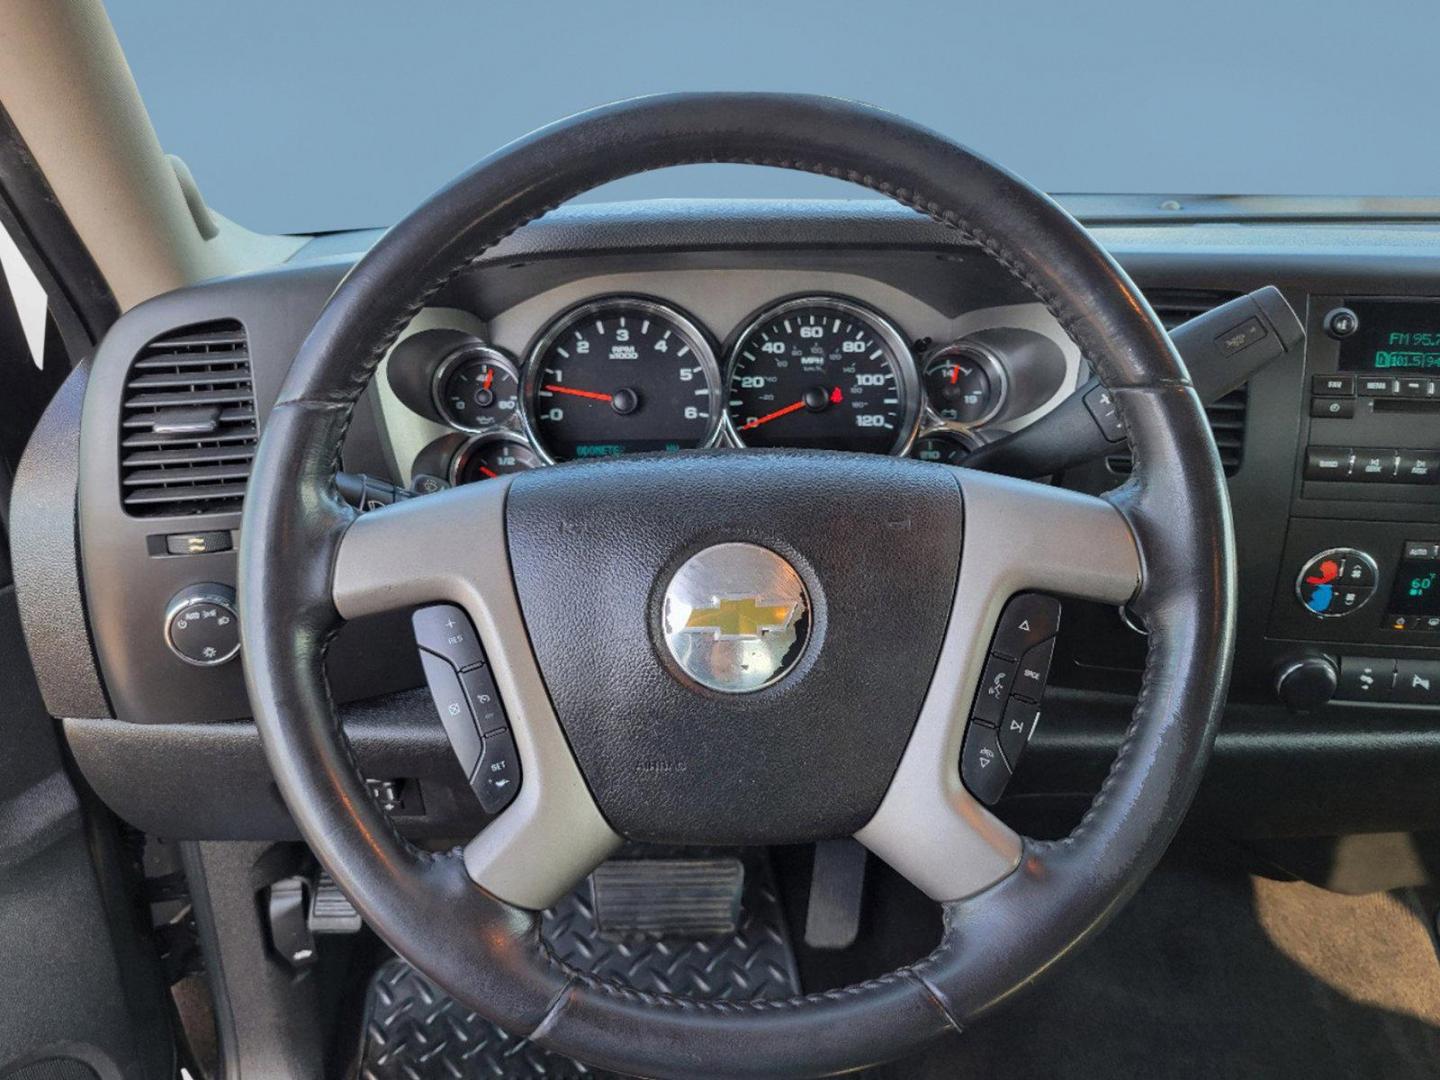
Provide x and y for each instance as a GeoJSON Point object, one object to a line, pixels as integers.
{"type": "Point", "coordinates": [188, 423]}
{"type": "Point", "coordinates": [1227, 416]}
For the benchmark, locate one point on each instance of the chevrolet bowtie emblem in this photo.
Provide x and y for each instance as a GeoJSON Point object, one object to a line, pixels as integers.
{"type": "Point", "coordinates": [735, 618]}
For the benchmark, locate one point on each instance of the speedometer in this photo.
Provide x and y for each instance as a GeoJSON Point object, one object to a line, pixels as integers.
{"type": "Point", "coordinates": [823, 373]}
{"type": "Point", "coordinates": [620, 376]}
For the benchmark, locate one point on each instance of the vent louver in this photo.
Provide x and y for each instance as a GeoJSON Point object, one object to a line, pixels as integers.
{"type": "Point", "coordinates": [1227, 416]}
{"type": "Point", "coordinates": [188, 423]}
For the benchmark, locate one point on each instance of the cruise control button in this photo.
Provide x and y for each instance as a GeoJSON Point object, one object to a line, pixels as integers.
{"type": "Point", "coordinates": [1366, 678]}
{"type": "Point", "coordinates": [1028, 619]}
{"type": "Point", "coordinates": [497, 777]}
{"type": "Point", "coordinates": [982, 765]}
{"type": "Point", "coordinates": [995, 685]}
{"type": "Point", "coordinates": [484, 698]}
{"type": "Point", "coordinates": [445, 630]}
{"type": "Point", "coordinates": [1034, 670]}
{"type": "Point", "coordinates": [1015, 730]}
{"type": "Point", "coordinates": [454, 712]}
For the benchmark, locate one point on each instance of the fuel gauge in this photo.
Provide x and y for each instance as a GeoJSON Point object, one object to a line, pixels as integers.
{"type": "Point", "coordinates": [490, 457]}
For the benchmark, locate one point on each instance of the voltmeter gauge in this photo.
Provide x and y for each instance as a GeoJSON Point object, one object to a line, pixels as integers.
{"type": "Point", "coordinates": [964, 384]}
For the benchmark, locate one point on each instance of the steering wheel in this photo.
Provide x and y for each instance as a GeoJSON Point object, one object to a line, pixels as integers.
{"type": "Point", "coordinates": [897, 570]}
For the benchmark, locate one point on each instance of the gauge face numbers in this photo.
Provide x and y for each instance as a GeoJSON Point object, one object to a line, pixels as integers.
{"type": "Point", "coordinates": [621, 376]}
{"type": "Point", "coordinates": [941, 449]}
{"type": "Point", "coordinates": [962, 387]}
{"type": "Point", "coordinates": [821, 373]}
{"type": "Point", "coordinates": [476, 389]}
{"type": "Point", "coordinates": [490, 459]}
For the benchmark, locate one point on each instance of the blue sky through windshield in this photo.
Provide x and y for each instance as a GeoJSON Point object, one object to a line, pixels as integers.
{"type": "Point", "coordinates": [326, 114]}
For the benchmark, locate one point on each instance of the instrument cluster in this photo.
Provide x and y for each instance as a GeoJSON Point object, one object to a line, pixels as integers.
{"type": "Point", "coordinates": [630, 374]}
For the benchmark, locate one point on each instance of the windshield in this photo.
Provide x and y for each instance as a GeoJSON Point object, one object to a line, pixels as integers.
{"type": "Point", "coordinates": [313, 116]}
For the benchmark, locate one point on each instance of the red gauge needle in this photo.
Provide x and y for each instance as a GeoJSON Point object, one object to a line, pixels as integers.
{"type": "Point", "coordinates": [489, 474]}
{"type": "Point", "coordinates": [489, 378]}
{"type": "Point", "coordinates": [591, 394]}
{"type": "Point", "coordinates": [786, 411]}
{"type": "Point", "coordinates": [954, 374]}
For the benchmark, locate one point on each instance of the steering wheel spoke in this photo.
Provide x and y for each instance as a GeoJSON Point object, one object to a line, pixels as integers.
{"type": "Point", "coordinates": [1019, 536]}
{"type": "Point", "coordinates": [450, 548]}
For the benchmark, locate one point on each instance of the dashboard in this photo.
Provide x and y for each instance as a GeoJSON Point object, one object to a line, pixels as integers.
{"type": "Point", "coordinates": [662, 327]}
{"type": "Point", "coordinates": [644, 362]}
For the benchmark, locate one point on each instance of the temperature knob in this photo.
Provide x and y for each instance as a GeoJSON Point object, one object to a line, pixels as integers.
{"type": "Point", "coordinates": [1337, 582]}
{"type": "Point", "coordinates": [202, 626]}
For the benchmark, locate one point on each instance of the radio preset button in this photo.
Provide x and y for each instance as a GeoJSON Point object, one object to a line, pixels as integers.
{"type": "Point", "coordinates": [1416, 388]}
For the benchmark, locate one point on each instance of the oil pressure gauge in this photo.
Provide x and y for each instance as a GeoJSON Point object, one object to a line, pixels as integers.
{"type": "Point", "coordinates": [476, 389]}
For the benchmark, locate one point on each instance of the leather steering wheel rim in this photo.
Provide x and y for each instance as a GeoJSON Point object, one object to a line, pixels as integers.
{"type": "Point", "coordinates": [488, 952]}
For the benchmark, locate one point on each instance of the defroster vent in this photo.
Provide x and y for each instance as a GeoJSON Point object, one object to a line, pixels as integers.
{"type": "Point", "coordinates": [1227, 416]}
{"type": "Point", "coordinates": [188, 423]}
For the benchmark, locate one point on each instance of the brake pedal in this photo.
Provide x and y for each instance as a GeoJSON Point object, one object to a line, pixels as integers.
{"type": "Point", "coordinates": [667, 897]}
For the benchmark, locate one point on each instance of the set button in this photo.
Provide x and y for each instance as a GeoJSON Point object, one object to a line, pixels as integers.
{"type": "Point", "coordinates": [1007, 702]}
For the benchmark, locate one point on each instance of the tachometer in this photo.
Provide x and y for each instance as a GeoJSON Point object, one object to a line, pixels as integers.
{"type": "Point", "coordinates": [621, 376]}
{"type": "Point", "coordinates": [824, 373]}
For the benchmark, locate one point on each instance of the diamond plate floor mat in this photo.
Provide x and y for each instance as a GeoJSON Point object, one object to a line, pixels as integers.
{"type": "Point", "coordinates": [415, 1031]}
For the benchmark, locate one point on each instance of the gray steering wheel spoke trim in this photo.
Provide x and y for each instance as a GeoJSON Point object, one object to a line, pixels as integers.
{"type": "Point", "coordinates": [1019, 535]}
{"type": "Point", "coordinates": [450, 547]}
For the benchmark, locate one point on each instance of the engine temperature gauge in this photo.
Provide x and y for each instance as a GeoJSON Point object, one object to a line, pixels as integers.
{"type": "Point", "coordinates": [476, 388]}
{"type": "Point", "coordinates": [964, 385]}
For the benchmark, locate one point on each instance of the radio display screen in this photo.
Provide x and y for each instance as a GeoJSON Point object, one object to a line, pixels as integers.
{"type": "Point", "coordinates": [1394, 336]}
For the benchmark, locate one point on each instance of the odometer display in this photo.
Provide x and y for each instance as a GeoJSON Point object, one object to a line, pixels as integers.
{"type": "Point", "coordinates": [621, 376]}
{"type": "Point", "coordinates": [822, 373]}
